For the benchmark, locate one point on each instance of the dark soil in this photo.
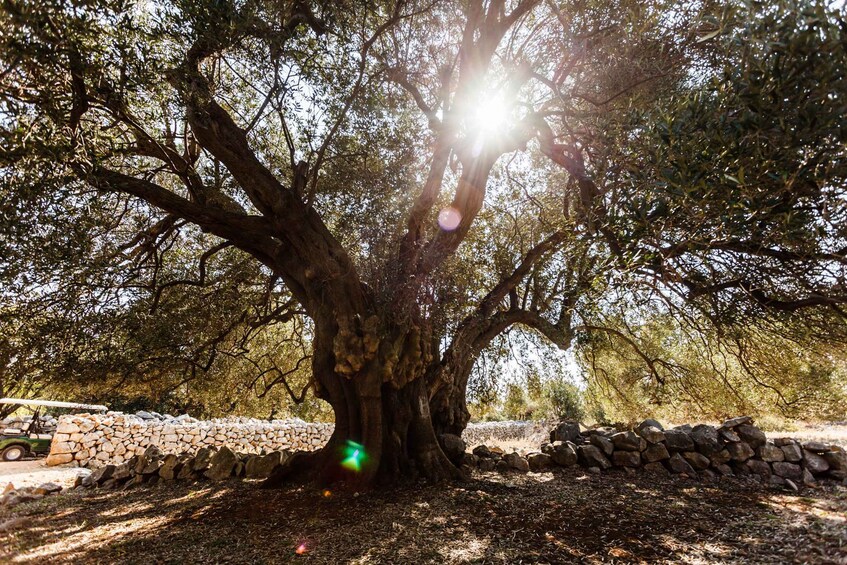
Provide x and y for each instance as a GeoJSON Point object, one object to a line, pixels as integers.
{"type": "Point", "coordinates": [561, 517]}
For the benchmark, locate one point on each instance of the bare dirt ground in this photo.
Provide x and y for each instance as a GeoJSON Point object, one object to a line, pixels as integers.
{"type": "Point", "coordinates": [565, 516]}
{"type": "Point", "coordinates": [561, 517]}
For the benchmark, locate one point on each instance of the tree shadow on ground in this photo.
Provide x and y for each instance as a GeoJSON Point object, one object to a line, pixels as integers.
{"type": "Point", "coordinates": [561, 517]}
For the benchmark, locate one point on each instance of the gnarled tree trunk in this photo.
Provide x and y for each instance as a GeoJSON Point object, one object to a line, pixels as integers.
{"type": "Point", "coordinates": [383, 423]}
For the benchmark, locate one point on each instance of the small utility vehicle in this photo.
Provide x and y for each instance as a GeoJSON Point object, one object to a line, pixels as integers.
{"type": "Point", "coordinates": [29, 437]}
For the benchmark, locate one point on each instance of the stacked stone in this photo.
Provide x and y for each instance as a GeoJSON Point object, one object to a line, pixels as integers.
{"type": "Point", "coordinates": [207, 463]}
{"type": "Point", "coordinates": [95, 440]}
{"type": "Point", "coordinates": [493, 432]}
{"type": "Point", "coordinates": [12, 496]}
{"type": "Point", "coordinates": [46, 423]}
{"type": "Point", "coordinates": [737, 447]}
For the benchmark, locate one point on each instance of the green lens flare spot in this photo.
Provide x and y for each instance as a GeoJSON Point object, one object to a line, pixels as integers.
{"type": "Point", "coordinates": [353, 456]}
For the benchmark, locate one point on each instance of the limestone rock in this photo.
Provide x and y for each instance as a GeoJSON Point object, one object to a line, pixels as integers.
{"type": "Point", "coordinates": [837, 460]}
{"type": "Point", "coordinates": [152, 467]}
{"type": "Point", "coordinates": [655, 468]}
{"type": "Point", "coordinates": [652, 434]}
{"type": "Point", "coordinates": [566, 431]}
{"type": "Point", "coordinates": [678, 440]}
{"type": "Point", "coordinates": [814, 463]}
{"type": "Point", "coordinates": [629, 441]}
{"type": "Point", "coordinates": [453, 446]}
{"type": "Point", "coordinates": [740, 451]}
{"type": "Point", "coordinates": [539, 462]}
{"type": "Point", "coordinates": [591, 456]}
{"type": "Point", "coordinates": [721, 457]}
{"type": "Point", "coordinates": [728, 435]}
{"type": "Point", "coordinates": [486, 464]}
{"type": "Point", "coordinates": [791, 452]}
{"type": "Point", "coordinates": [62, 447]}
{"type": "Point", "coordinates": [47, 488]}
{"type": "Point", "coordinates": [706, 439]}
{"type": "Point", "coordinates": [187, 470]}
{"type": "Point", "coordinates": [125, 469]}
{"type": "Point", "coordinates": [58, 459]}
{"type": "Point", "coordinates": [481, 451]}
{"type": "Point", "coordinates": [603, 443]}
{"type": "Point", "coordinates": [679, 465]}
{"type": "Point", "coordinates": [221, 465]}
{"type": "Point", "coordinates": [759, 468]}
{"type": "Point", "coordinates": [697, 460]}
{"type": "Point", "coordinates": [752, 435]}
{"type": "Point", "coordinates": [67, 427]}
{"type": "Point", "coordinates": [626, 458]}
{"type": "Point", "coordinates": [656, 452]}
{"type": "Point", "coordinates": [202, 458]}
{"type": "Point", "coordinates": [649, 422]}
{"type": "Point", "coordinates": [815, 447]}
{"type": "Point", "coordinates": [168, 469]}
{"type": "Point", "coordinates": [788, 470]}
{"type": "Point", "coordinates": [261, 466]}
{"type": "Point", "coordinates": [735, 422]}
{"type": "Point", "coordinates": [99, 475]}
{"type": "Point", "coordinates": [770, 453]}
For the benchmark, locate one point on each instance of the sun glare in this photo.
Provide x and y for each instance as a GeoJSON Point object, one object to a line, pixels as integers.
{"type": "Point", "coordinates": [490, 116]}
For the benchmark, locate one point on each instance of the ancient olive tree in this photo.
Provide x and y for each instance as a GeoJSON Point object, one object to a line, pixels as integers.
{"type": "Point", "coordinates": [420, 177]}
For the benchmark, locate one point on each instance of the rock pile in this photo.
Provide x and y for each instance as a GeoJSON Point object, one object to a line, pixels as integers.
{"type": "Point", "coordinates": [46, 423]}
{"type": "Point", "coordinates": [493, 432]}
{"type": "Point", "coordinates": [737, 447]}
{"type": "Point", "coordinates": [207, 463]}
{"type": "Point", "coordinates": [12, 496]}
{"type": "Point", "coordinates": [114, 438]}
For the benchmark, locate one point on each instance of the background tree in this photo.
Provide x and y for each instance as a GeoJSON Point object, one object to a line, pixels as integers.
{"type": "Point", "coordinates": [417, 178]}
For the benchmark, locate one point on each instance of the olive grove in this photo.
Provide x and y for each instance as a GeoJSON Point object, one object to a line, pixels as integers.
{"type": "Point", "coordinates": [382, 189]}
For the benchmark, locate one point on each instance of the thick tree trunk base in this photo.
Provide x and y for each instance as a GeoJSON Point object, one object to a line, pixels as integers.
{"type": "Point", "coordinates": [376, 442]}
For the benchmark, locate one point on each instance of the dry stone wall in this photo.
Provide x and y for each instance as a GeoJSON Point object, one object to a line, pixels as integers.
{"type": "Point", "coordinates": [737, 448]}
{"type": "Point", "coordinates": [95, 439]}
{"type": "Point", "coordinates": [113, 438]}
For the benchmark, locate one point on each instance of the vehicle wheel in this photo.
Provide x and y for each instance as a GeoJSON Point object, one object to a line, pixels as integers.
{"type": "Point", "coordinates": [14, 453]}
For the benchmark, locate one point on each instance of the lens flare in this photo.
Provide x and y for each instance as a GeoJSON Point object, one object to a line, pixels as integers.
{"type": "Point", "coordinates": [449, 218]}
{"type": "Point", "coordinates": [301, 549]}
{"type": "Point", "coordinates": [327, 493]}
{"type": "Point", "coordinates": [490, 115]}
{"type": "Point", "coordinates": [353, 457]}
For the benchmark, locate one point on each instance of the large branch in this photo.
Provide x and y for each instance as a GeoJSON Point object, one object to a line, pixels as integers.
{"type": "Point", "coordinates": [248, 233]}
{"type": "Point", "coordinates": [484, 30]}
{"type": "Point", "coordinates": [309, 253]}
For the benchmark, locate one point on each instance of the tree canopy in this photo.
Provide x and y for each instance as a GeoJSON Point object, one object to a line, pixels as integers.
{"type": "Point", "coordinates": [378, 191]}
